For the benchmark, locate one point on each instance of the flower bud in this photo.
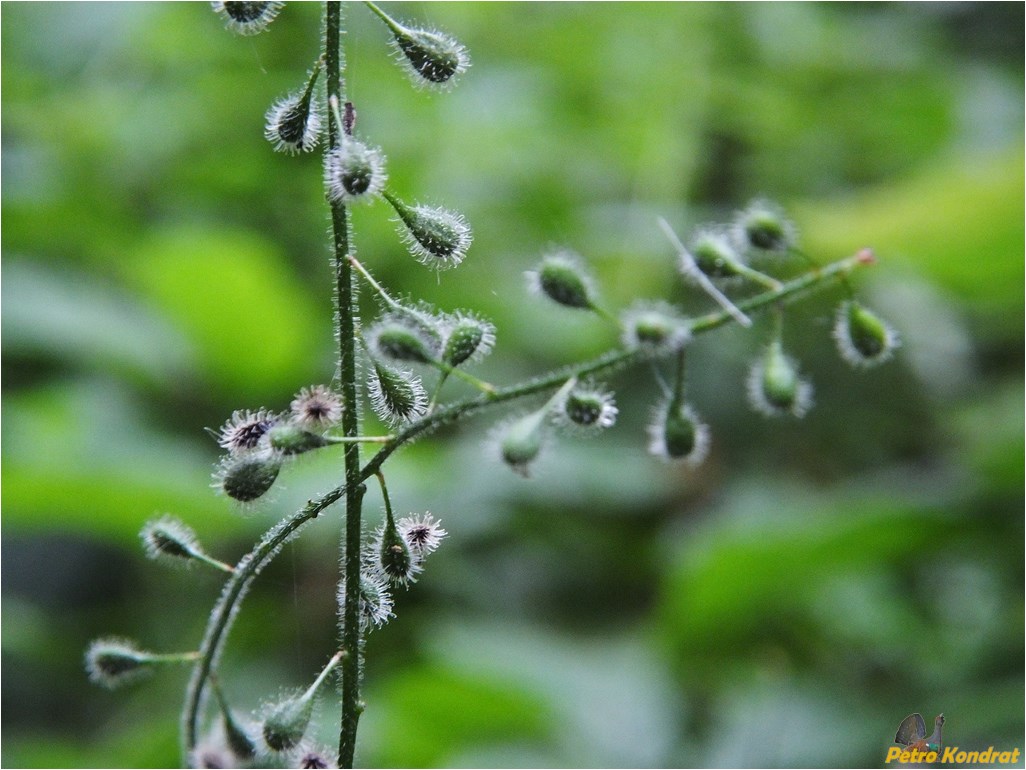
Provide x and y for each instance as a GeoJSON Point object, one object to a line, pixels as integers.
{"type": "Point", "coordinates": [286, 722]}
{"type": "Point", "coordinates": [762, 226]}
{"type": "Point", "coordinates": [293, 123]}
{"type": "Point", "coordinates": [562, 278]}
{"type": "Point", "coordinates": [435, 236]}
{"type": "Point", "coordinates": [775, 387]}
{"type": "Point", "coordinates": [713, 253]}
{"type": "Point", "coordinates": [247, 477]}
{"type": "Point", "coordinates": [354, 172]}
{"type": "Point", "coordinates": [290, 439]}
{"type": "Point", "coordinates": [395, 337]}
{"type": "Point", "coordinates": [396, 396]}
{"type": "Point", "coordinates": [467, 338]}
{"type": "Point", "coordinates": [247, 18]}
{"type": "Point", "coordinates": [112, 662]}
{"type": "Point", "coordinates": [170, 540]}
{"type": "Point", "coordinates": [520, 441]}
{"type": "Point", "coordinates": [655, 327]}
{"type": "Point", "coordinates": [246, 430]}
{"type": "Point", "coordinates": [316, 408]}
{"type": "Point", "coordinates": [863, 339]}
{"type": "Point", "coordinates": [422, 533]}
{"type": "Point", "coordinates": [677, 434]}
{"type": "Point", "coordinates": [586, 409]}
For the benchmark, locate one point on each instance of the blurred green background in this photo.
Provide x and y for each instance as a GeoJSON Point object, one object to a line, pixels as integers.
{"type": "Point", "coordinates": [785, 605]}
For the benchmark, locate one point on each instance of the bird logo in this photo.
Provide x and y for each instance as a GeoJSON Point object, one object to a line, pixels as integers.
{"type": "Point", "coordinates": [912, 733]}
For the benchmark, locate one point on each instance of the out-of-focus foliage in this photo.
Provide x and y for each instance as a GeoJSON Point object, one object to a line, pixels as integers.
{"type": "Point", "coordinates": [787, 604]}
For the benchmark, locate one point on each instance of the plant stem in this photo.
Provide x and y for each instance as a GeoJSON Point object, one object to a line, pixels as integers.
{"type": "Point", "coordinates": [226, 610]}
{"type": "Point", "coordinates": [345, 297]}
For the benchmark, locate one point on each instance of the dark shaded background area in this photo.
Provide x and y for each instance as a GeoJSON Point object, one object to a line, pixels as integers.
{"type": "Point", "coordinates": [785, 605]}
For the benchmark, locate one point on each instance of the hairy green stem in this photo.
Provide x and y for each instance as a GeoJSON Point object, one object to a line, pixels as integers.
{"type": "Point", "coordinates": [345, 329]}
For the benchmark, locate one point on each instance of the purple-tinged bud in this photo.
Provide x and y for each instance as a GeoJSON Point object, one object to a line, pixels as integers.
{"type": "Point", "coordinates": [316, 408]}
{"type": "Point", "coordinates": [422, 533]}
{"type": "Point", "coordinates": [246, 430]}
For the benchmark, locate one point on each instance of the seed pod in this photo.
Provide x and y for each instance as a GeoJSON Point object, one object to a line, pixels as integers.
{"type": "Point", "coordinates": [247, 477]}
{"type": "Point", "coordinates": [762, 226]}
{"type": "Point", "coordinates": [677, 434]}
{"type": "Point", "coordinates": [775, 387]}
{"type": "Point", "coordinates": [354, 172]}
{"type": "Point", "coordinates": [467, 338]}
{"type": "Point", "coordinates": [286, 722]}
{"type": "Point", "coordinates": [247, 18]}
{"type": "Point", "coordinates": [655, 328]}
{"type": "Point", "coordinates": [396, 396]}
{"type": "Point", "coordinates": [863, 339]}
{"type": "Point", "coordinates": [561, 277]}
{"type": "Point", "coordinates": [436, 237]}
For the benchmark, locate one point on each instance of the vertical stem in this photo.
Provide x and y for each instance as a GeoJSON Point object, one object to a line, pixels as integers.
{"type": "Point", "coordinates": [345, 329]}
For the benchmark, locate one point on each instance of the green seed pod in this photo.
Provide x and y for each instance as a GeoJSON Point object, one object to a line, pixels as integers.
{"type": "Point", "coordinates": [562, 278]}
{"type": "Point", "coordinates": [467, 339]}
{"type": "Point", "coordinates": [655, 327]}
{"type": "Point", "coordinates": [375, 598]}
{"type": "Point", "coordinates": [290, 439]}
{"type": "Point", "coordinates": [170, 540]}
{"type": "Point", "coordinates": [863, 339]}
{"type": "Point", "coordinates": [762, 226]}
{"type": "Point", "coordinates": [586, 410]}
{"type": "Point", "coordinates": [677, 434]}
{"type": "Point", "coordinates": [293, 123]}
{"type": "Point", "coordinates": [354, 172]}
{"type": "Point", "coordinates": [247, 477]}
{"type": "Point", "coordinates": [286, 722]}
{"type": "Point", "coordinates": [714, 253]}
{"type": "Point", "coordinates": [236, 736]}
{"type": "Point", "coordinates": [396, 396]}
{"type": "Point", "coordinates": [775, 387]}
{"type": "Point", "coordinates": [436, 237]}
{"type": "Point", "coordinates": [520, 441]}
{"type": "Point", "coordinates": [397, 563]}
{"type": "Point", "coordinates": [112, 662]}
{"type": "Point", "coordinates": [395, 338]}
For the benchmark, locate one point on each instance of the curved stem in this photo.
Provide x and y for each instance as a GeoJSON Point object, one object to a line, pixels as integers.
{"type": "Point", "coordinates": [226, 608]}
